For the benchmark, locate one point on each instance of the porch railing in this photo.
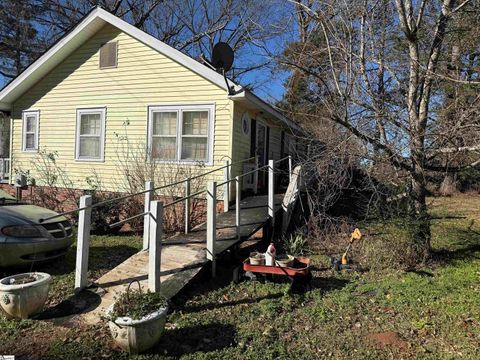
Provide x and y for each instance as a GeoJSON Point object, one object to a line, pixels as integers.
{"type": "Point", "coordinates": [4, 169]}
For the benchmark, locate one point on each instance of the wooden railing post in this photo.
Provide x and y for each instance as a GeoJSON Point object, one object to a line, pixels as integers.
{"type": "Point", "coordinates": [290, 168]}
{"type": "Point", "coordinates": [238, 195]}
{"type": "Point", "coordinates": [271, 192]}
{"type": "Point", "coordinates": [226, 186]}
{"type": "Point", "coordinates": [155, 247]}
{"type": "Point", "coordinates": [187, 206]}
{"type": "Point", "coordinates": [146, 219]}
{"type": "Point", "coordinates": [211, 223]}
{"type": "Point", "coordinates": [83, 242]}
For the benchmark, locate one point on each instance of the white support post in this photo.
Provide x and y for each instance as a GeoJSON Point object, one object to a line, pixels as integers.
{"type": "Point", "coordinates": [187, 206]}
{"type": "Point", "coordinates": [238, 195]}
{"type": "Point", "coordinates": [83, 242]}
{"type": "Point", "coordinates": [146, 219]}
{"type": "Point", "coordinates": [271, 192]}
{"type": "Point", "coordinates": [255, 177]}
{"type": "Point", "coordinates": [211, 222]}
{"type": "Point", "coordinates": [226, 186]}
{"type": "Point", "coordinates": [289, 168]}
{"type": "Point", "coordinates": [155, 247]}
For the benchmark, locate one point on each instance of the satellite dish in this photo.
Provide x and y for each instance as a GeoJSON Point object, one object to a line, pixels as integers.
{"type": "Point", "coordinates": [222, 56]}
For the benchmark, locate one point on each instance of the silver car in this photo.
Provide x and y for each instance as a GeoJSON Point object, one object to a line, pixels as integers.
{"type": "Point", "coordinates": [24, 240]}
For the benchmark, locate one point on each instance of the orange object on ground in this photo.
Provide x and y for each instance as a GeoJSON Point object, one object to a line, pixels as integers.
{"type": "Point", "coordinates": [301, 267]}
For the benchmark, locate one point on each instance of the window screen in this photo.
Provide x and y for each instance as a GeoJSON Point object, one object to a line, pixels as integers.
{"type": "Point", "coordinates": [108, 55]}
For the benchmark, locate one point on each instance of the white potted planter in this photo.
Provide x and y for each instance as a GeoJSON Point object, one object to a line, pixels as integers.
{"type": "Point", "coordinates": [23, 295]}
{"type": "Point", "coordinates": [136, 334]}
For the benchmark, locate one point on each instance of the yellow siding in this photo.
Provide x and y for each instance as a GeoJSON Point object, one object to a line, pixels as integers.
{"type": "Point", "coordinates": [241, 142]}
{"type": "Point", "coordinates": [143, 78]}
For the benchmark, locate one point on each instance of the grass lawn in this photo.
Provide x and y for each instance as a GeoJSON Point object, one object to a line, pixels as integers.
{"type": "Point", "coordinates": [432, 314]}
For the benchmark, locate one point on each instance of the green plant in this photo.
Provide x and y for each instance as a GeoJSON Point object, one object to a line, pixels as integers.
{"type": "Point", "coordinates": [136, 304]}
{"type": "Point", "coordinates": [296, 245]}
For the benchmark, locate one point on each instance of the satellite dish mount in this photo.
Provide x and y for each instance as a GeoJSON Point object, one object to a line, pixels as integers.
{"type": "Point", "coordinates": [222, 61]}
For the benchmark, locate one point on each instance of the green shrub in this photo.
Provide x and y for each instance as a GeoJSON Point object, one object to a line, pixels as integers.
{"type": "Point", "coordinates": [296, 245]}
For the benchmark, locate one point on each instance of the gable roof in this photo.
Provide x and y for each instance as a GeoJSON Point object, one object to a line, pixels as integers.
{"type": "Point", "coordinates": [86, 28]}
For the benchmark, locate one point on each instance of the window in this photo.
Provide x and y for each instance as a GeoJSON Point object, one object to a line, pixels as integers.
{"type": "Point", "coordinates": [90, 134]}
{"type": "Point", "coordinates": [108, 55]}
{"type": "Point", "coordinates": [30, 130]}
{"type": "Point", "coordinates": [181, 133]}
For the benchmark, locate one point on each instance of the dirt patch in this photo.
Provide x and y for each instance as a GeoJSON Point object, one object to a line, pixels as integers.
{"type": "Point", "coordinates": [387, 339]}
{"type": "Point", "coordinates": [32, 345]}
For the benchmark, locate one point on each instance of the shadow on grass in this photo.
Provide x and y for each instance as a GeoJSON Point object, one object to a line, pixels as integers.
{"type": "Point", "coordinates": [464, 244]}
{"type": "Point", "coordinates": [326, 284]}
{"type": "Point", "coordinates": [75, 304]}
{"type": "Point", "coordinates": [188, 340]}
{"type": "Point", "coordinates": [218, 305]}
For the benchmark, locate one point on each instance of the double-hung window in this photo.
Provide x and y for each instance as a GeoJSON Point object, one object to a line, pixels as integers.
{"type": "Point", "coordinates": [181, 133]}
{"type": "Point", "coordinates": [30, 130]}
{"type": "Point", "coordinates": [90, 141]}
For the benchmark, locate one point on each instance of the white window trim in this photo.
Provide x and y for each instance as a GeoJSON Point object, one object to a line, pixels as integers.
{"type": "Point", "coordinates": [179, 109]}
{"type": "Point", "coordinates": [102, 112]}
{"type": "Point", "coordinates": [25, 114]}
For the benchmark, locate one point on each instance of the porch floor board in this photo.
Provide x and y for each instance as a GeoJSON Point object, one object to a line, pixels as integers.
{"type": "Point", "coordinates": [183, 255]}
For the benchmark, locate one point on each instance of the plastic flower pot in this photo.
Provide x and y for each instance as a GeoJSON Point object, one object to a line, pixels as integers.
{"type": "Point", "coordinates": [23, 295]}
{"type": "Point", "coordinates": [137, 336]}
{"type": "Point", "coordinates": [257, 258]}
{"type": "Point", "coordinates": [284, 260]}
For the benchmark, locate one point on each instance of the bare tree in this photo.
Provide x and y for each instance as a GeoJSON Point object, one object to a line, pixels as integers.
{"type": "Point", "coordinates": [375, 69]}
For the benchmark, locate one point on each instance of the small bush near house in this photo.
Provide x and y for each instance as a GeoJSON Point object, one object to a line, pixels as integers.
{"type": "Point", "coordinates": [105, 215]}
{"type": "Point", "coordinates": [135, 168]}
{"type": "Point", "coordinates": [49, 183]}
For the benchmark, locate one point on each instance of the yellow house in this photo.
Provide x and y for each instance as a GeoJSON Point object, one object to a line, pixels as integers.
{"type": "Point", "coordinates": [106, 81]}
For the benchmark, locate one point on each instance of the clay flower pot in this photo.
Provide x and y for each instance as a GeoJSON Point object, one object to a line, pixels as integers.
{"type": "Point", "coordinates": [23, 295]}
{"type": "Point", "coordinates": [137, 336]}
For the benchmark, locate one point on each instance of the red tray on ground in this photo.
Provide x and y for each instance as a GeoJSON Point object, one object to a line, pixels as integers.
{"type": "Point", "coordinates": [301, 267]}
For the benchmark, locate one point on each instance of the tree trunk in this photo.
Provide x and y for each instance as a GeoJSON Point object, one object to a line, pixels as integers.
{"type": "Point", "coordinates": [449, 185]}
{"type": "Point", "coordinates": [419, 224]}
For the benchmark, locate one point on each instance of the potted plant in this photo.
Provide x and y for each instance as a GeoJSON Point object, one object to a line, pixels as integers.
{"type": "Point", "coordinates": [257, 258]}
{"type": "Point", "coordinates": [137, 320]}
{"type": "Point", "coordinates": [25, 294]}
